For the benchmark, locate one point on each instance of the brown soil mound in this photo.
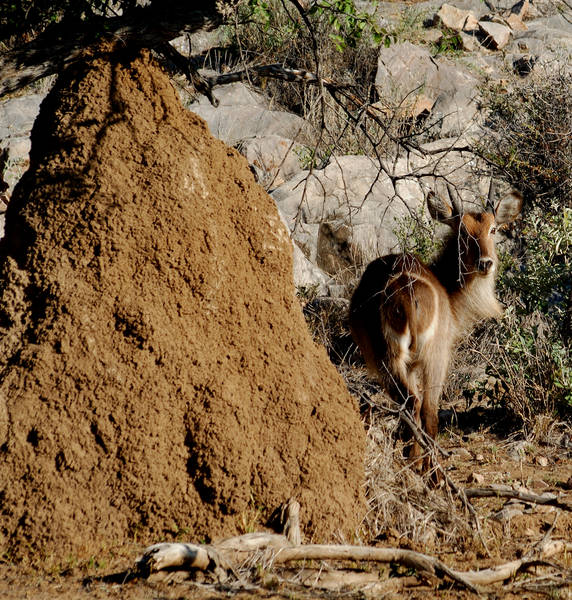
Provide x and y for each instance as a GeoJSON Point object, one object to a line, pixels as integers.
{"type": "Point", "coordinates": [157, 376]}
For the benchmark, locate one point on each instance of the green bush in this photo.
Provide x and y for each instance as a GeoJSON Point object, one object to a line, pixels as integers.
{"type": "Point", "coordinates": [530, 144]}
{"type": "Point", "coordinates": [533, 353]}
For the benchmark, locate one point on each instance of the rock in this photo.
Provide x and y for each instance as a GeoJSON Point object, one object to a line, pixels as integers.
{"type": "Point", "coordinates": [520, 9]}
{"type": "Point", "coordinates": [274, 158]}
{"type": "Point", "coordinates": [495, 35]}
{"type": "Point", "coordinates": [538, 484]}
{"type": "Point", "coordinates": [432, 35]}
{"type": "Point", "coordinates": [470, 42]}
{"type": "Point", "coordinates": [516, 23]}
{"type": "Point", "coordinates": [17, 115]}
{"type": "Point", "coordinates": [456, 19]}
{"type": "Point", "coordinates": [408, 73]}
{"type": "Point", "coordinates": [509, 511]}
{"type": "Point", "coordinates": [460, 452]}
{"type": "Point", "coordinates": [541, 461]}
{"type": "Point", "coordinates": [243, 114]}
{"type": "Point", "coordinates": [307, 275]}
{"type": "Point", "coordinates": [517, 450]}
{"type": "Point", "coordinates": [476, 478]}
{"type": "Point", "coordinates": [348, 212]}
{"type": "Point", "coordinates": [549, 38]}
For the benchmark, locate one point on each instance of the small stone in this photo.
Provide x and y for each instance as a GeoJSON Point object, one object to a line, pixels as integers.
{"type": "Point", "coordinates": [470, 42]}
{"type": "Point", "coordinates": [477, 478]}
{"type": "Point", "coordinates": [508, 512]}
{"type": "Point", "coordinates": [541, 461]}
{"type": "Point", "coordinates": [432, 35]}
{"type": "Point", "coordinates": [496, 35]}
{"type": "Point", "coordinates": [538, 484]}
{"type": "Point", "coordinates": [461, 452]}
{"type": "Point", "coordinates": [480, 457]}
{"type": "Point", "coordinates": [516, 23]}
{"type": "Point", "coordinates": [456, 19]}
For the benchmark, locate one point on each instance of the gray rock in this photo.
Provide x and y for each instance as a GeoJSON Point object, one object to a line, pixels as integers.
{"type": "Point", "coordinates": [495, 35]}
{"type": "Point", "coordinates": [353, 208]}
{"type": "Point", "coordinates": [408, 76]}
{"type": "Point", "coordinates": [274, 158]}
{"type": "Point", "coordinates": [17, 115]}
{"type": "Point", "coordinates": [243, 114]}
{"type": "Point", "coordinates": [456, 19]}
{"type": "Point", "coordinates": [308, 275]}
{"type": "Point", "coordinates": [304, 271]}
{"type": "Point", "coordinates": [547, 38]}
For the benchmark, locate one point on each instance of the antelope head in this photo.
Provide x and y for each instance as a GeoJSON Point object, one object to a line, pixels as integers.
{"type": "Point", "coordinates": [473, 241]}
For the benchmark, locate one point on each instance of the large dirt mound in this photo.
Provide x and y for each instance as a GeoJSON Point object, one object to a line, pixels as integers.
{"type": "Point", "coordinates": [157, 375]}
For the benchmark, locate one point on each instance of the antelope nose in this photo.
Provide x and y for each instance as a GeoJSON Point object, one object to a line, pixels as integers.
{"type": "Point", "coordinates": [486, 265]}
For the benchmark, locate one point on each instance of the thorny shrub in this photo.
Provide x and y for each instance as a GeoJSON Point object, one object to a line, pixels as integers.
{"type": "Point", "coordinates": [344, 50]}
{"type": "Point", "coordinates": [531, 134]}
{"type": "Point", "coordinates": [531, 146]}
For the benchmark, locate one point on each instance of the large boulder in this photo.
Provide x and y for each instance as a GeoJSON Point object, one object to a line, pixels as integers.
{"type": "Point", "coordinates": [350, 211]}
{"type": "Point", "coordinates": [157, 372]}
{"type": "Point", "coordinates": [243, 113]}
{"type": "Point", "coordinates": [418, 84]}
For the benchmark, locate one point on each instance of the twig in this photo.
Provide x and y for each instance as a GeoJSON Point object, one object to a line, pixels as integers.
{"type": "Point", "coordinates": [430, 445]}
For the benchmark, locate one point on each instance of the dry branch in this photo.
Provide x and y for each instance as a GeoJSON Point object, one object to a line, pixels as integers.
{"type": "Point", "coordinates": [271, 550]}
{"type": "Point", "coordinates": [63, 43]}
{"type": "Point", "coordinates": [506, 491]}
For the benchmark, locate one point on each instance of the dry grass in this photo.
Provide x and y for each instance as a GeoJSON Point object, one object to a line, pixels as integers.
{"type": "Point", "coordinates": [401, 504]}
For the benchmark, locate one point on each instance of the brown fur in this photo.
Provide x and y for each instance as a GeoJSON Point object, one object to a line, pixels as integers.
{"type": "Point", "coordinates": [406, 316]}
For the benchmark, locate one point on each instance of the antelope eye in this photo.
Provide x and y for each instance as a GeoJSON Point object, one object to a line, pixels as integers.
{"type": "Point", "coordinates": [493, 230]}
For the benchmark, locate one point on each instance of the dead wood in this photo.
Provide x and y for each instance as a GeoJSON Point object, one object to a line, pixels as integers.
{"type": "Point", "coordinates": [506, 491]}
{"type": "Point", "coordinates": [430, 446]}
{"type": "Point", "coordinates": [539, 556]}
{"type": "Point", "coordinates": [425, 564]}
{"type": "Point", "coordinates": [272, 550]}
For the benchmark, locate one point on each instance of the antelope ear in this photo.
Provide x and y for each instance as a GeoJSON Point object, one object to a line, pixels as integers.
{"type": "Point", "coordinates": [508, 207]}
{"type": "Point", "coordinates": [440, 209]}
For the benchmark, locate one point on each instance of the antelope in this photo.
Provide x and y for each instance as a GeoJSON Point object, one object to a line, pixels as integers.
{"type": "Point", "coordinates": [407, 316]}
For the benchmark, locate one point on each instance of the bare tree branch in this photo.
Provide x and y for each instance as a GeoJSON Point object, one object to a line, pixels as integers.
{"type": "Point", "coordinates": [271, 550]}
{"type": "Point", "coordinates": [65, 43]}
